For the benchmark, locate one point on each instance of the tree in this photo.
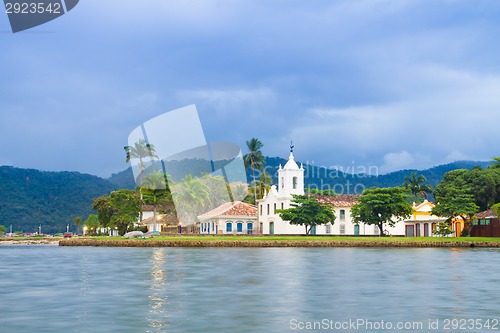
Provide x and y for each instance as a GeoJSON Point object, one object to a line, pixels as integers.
{"type": "Point", "coordinates": [3, 229]}
{"type": "Point", "coordinates": [78, 222]}
{"type": "Point", "coordinates": [92, 224]}
{"type": "Point", "coordinates": [379, 206]}
{"type": "Point", "coordinates": [191, 195]}
{"type": "Point", "coordinates": [140, 150]}
{"type": "Point", "coordinates": [495, 164]}
{"type": "Point", "coordinates": [496, 209]}
{"type": "Point", "coordinates": [121, 209]}
{"type": "Point", "coordinates": [254, 160]}
{"type": "Point", "coordinates": [155, 184]}
{"type": "Point", "coordinates": [416, 185]}
{"type": "Point", "coordinates": [307, 211]}
{"type": "Point", "coordinates": [443, 229]}
{"type": "Point", "coordinates": [455, 202]}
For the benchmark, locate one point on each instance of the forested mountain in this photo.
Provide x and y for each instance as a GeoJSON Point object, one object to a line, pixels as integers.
{"type": "Point", "coordinates": [29, 198]}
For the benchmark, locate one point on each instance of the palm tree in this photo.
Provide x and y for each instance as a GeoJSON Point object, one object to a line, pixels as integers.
{"type": "Point", "coordinates": [191, 195]}
{"type": "Point", "coordinates": [254, 160]}
{"type": "Point", "coordinates": [156, 184]}
{"type": "Point", "coordinates": [264, 184]}
{"type": "Point", "coordinates": [140, 150]}
{"type": "Point", "coordinates": [416, 185]}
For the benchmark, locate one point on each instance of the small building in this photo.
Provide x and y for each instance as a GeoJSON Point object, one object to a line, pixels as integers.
{"type": "Point", "coordinates": [486, 224]}
{"type": "Point", "coordinates": [167, 223]}
{"type": "Point", "coordinates": [423, 223]}
{"type": "Point", "coordinates": [229, 218]}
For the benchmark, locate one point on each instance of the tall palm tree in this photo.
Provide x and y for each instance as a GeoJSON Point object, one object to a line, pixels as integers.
{"type": "Point", "coordinates": [416, 184]}
{"type": "Point", "coordinates": [254, 160]}
{"type": "Point", "coordinates": [140, 150]}
{"type": "Point", "coordinates": [156, 184]}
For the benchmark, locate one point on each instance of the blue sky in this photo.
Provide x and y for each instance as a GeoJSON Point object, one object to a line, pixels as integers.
{"type": "Point", "coordinates": [392, 84]}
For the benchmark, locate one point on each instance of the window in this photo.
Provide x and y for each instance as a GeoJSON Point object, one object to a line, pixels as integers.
{"type": "Point", "coordinates": [268, 209]}
{"type": "Point", "coordinates": [229, 227]}
{"type": "Point", "coordinates": [260, 209]}
{"type": "Point", "coordinates": [342, 228]}
{"type": "Point", "coordinates": [282, 182]}
{"type": "Point", "coordinates": [328, 229]}
{"type": "Point", "coordinates": [249, 228]}
{"type": "Point", "coordinates": [474, 222]}
{"type": "Point", "coordinates": [274, 211]}
{"type": "Point", "coordinates": [342, 215]}
{"type": "Point", "coordinates": [282, 206]}
{"type": "Point", "coordinates": [239, 227]}
{"type": "Point", "coordinates": [294, 182]}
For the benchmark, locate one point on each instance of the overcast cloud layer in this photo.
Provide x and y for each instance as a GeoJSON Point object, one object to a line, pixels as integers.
{"type": "Point", "coordinates": [395, 84]}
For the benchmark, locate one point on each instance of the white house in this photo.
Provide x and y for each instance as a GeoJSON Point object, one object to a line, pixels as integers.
{"type": "Point", "coordinates": [229, 218]}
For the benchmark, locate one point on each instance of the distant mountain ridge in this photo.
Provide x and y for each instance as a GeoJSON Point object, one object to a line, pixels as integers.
{"type": "Point", "coordinates": [30, 197]}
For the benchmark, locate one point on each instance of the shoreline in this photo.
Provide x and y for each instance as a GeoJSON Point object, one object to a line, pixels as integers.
{"type": "Point", "coordinates": [28, 241]}
{"type": "Point", "coordinates": [276, 243]}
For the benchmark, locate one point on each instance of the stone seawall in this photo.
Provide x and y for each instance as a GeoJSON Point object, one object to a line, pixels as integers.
{"type": "Point", "coordinates": [270, 243]}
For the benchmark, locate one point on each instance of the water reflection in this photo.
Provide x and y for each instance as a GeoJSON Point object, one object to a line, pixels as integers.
{"type": "Point", "coordinates": [158, 299]}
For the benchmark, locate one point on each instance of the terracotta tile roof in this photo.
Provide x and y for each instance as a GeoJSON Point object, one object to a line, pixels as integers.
{"type": "Point", "coordinates": [486, 214]}
{"type": "Point", "coordinates": [162, 219]}
{"type": "Point", "coordinates": [341, 200]}
{"type": "Point", "coordinates": [236, 208]}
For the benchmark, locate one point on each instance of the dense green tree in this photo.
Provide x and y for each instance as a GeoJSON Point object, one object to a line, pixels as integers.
{"type": "Point", "coordinates": [416, 185]}
{"type": "Point", "coordinates": [3, 229]}
{"type": "Point", "coordinates": [379, 206]}
{"type": "Point", "coordinates": [443, 229]}
{"type": "Point", "coordinates": [495, 163]}
{"type": "Point", "coordinates": [496, 209]}
{"type": "Point", "coordinates": [482, 184]}
{"type": "Point", "coordinates": [455, 202]}
{"type": "Point", "coordinates": [92, 224]}
{"type": "Point", "coordinates": [307, 211]}
{"type": "Point", "coordinates": [121, 209]}
{"type": "Point", "coordinates": [254, 160]}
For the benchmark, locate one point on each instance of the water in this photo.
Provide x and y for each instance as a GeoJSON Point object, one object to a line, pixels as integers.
{"type": "Point", "coordinates": [64, 289]}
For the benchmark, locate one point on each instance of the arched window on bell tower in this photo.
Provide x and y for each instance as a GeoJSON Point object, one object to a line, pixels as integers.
{"type": "Point", "coordinates": [294, 183]}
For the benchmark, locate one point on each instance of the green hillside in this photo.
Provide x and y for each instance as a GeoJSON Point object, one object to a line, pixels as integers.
{"type": "Point", "coordinates": [31, 197]}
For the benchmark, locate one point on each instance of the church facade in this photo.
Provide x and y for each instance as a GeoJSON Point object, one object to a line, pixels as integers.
{"type": "Point", "coordinates": [290, 182]}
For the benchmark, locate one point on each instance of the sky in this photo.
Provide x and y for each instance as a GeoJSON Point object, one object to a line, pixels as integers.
{"type": "Point", "coordinates": [384, 83]}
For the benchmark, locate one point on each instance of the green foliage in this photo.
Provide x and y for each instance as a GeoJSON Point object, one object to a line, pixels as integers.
{"type": "Point", "coordinates": [455, 202]}
{"type": "Point", "coordinates": [3, 229]}
{"type": "Point", "coordinates": [416, 185]}
{"type": "Point", "coordinates": [307, 211]}
{"type": "Point", "coordinates": [92, 224]}
{"type": "Point", "coordinates": [482, 184]}
{"type": "Point", "coordinates": [496, 209]}
{"type": "Point", "coordinates": [52, 199]}
{"type": "Point", "coordinates": [254, 161]}
{"type": "Point", "coordinates": [379, 206]}
{"type": "Point", "coordinates": [118, 210]}
{"type": "Point", "coordinates": [443, 229]}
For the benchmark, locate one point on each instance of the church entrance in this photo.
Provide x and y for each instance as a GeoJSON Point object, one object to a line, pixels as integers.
{"type": "Point", "coordinates": [271, 228]}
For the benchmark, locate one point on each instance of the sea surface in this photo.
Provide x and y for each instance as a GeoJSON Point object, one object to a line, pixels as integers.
{"type": "Point", "coordinates": [84, 289]}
